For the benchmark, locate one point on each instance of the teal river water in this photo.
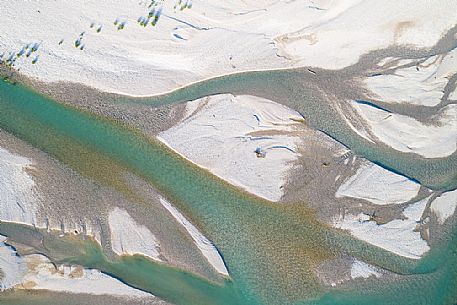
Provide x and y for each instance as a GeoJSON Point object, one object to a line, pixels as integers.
{"type": "Point", "coordinates": [269, 249]}
{"type": "Point", "coordinates": [289, 87]}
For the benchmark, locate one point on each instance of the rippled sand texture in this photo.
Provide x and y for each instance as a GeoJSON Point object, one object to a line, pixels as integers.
{"type": "Point", "coordinates": [241, 152]}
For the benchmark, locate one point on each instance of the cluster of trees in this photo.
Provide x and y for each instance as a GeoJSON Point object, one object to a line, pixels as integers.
{"type": "Point", "coordinates": [183, 4]}
{"type": "Point", "coordinates": [120, 24]}
{"type": "Point", "coordinates": [155, 11]}
{"type": "Point", "coordinates": [26, 51]}
{"type": "Point", "coordinates": [153, 16]}
{"type": "Point", "coordinates": [79, 42]}
{"type": "Point", "coordinates": [99, 27]}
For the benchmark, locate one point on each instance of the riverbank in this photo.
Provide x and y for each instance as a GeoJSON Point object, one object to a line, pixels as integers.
{"type": "Point", "coordinates": [231, 218]}
{"type": "Point", "coordinates": [92, 46]}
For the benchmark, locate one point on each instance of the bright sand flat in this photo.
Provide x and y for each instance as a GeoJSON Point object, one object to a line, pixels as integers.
{"type": "Point", "coordinates": [129, 238]}
{"type": "Point", "coordinates": [207, 248]}
{"type": "Point", "coordinates": [380, 186]}
{"type": "Point", "coordinates": [444, 206]}
{"type": "Point", "coordinates": [361, 269]}
{"type": "Point", "coordinates": [42, 274]}
{"type": "Point", "coordinates": [398, 236]}
{"type": "Point", "coordinates": [17, 200]}
{"type": "Point", "coordinates": [215, 37]}
{"type": "Point", "coordinates": [224, 132]}
{"type": "Point", "coordinates": [37, 272]}
{"type": "Point", "coordinates": [406, 134]}
{"type": "Point", "coordinates": [420, 85]}
{"type": "Point", "coordinates": [12, 268]}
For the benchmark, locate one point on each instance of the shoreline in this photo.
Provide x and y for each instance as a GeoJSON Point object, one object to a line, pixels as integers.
{"type": "Point", "coordinates": [406, 224]}
{"type": "Point", "coordinates": [247, 141]}
{"type": "Point", "coordinates": [71, 209]}
{"type": "Point", "coordinates": [279, 46]}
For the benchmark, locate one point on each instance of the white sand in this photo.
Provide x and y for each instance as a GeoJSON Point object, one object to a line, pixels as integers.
{"type": "Point", "coordinates": [444, 206]}
{"type": "Point", "coordinates": [129, 238]}
{"type": "Point", "coordinates": [230, 36]}
{"type": "Point", "coordinates": [406, 134]}
{"type": "Point", "coordinates": [361, 131]}
{"type": "Point", "coordinates": [361, 269]}
{"type": "Point", "coordinates": [380, 186]}
{"type": "Point", "coordinates": [73, 279]}
{"type": "Point", "coordinates": [221, 138]}
{"type": "Point", "coordinates": [397, 236]}
{"type": "Point", "coordinates": [422, 85]}
{"type": "Point", "coordinates": [335, 37]}
{"type": "Point", "coordinates": [37, 272]}
{"type": "Point", "coordinates": [207, 248]}
{"type": "Point", "coordinates": [135, 60]}
{"type": "Point", "coordinates": [12, 267]}
{"type": "Point", "coordinates": [17, 199]}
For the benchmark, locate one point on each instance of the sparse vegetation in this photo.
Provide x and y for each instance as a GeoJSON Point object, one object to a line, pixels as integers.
{"type": "Point", "coordinates": [121, 25]}
{"type": "Point", "coordinates": [10, 60]}
{"type": "Point", "coordinates": [154, 12]}
{"type": "Point", "coordinates": [183, 4]}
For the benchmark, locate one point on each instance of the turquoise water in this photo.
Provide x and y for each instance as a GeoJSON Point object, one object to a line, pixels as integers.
{"type": "Point", "coordinates": [167, 282]}
{"type": "Point", "coordinates": [287, 87]}
{"type": "Point", "coordinates": [269, 249]}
